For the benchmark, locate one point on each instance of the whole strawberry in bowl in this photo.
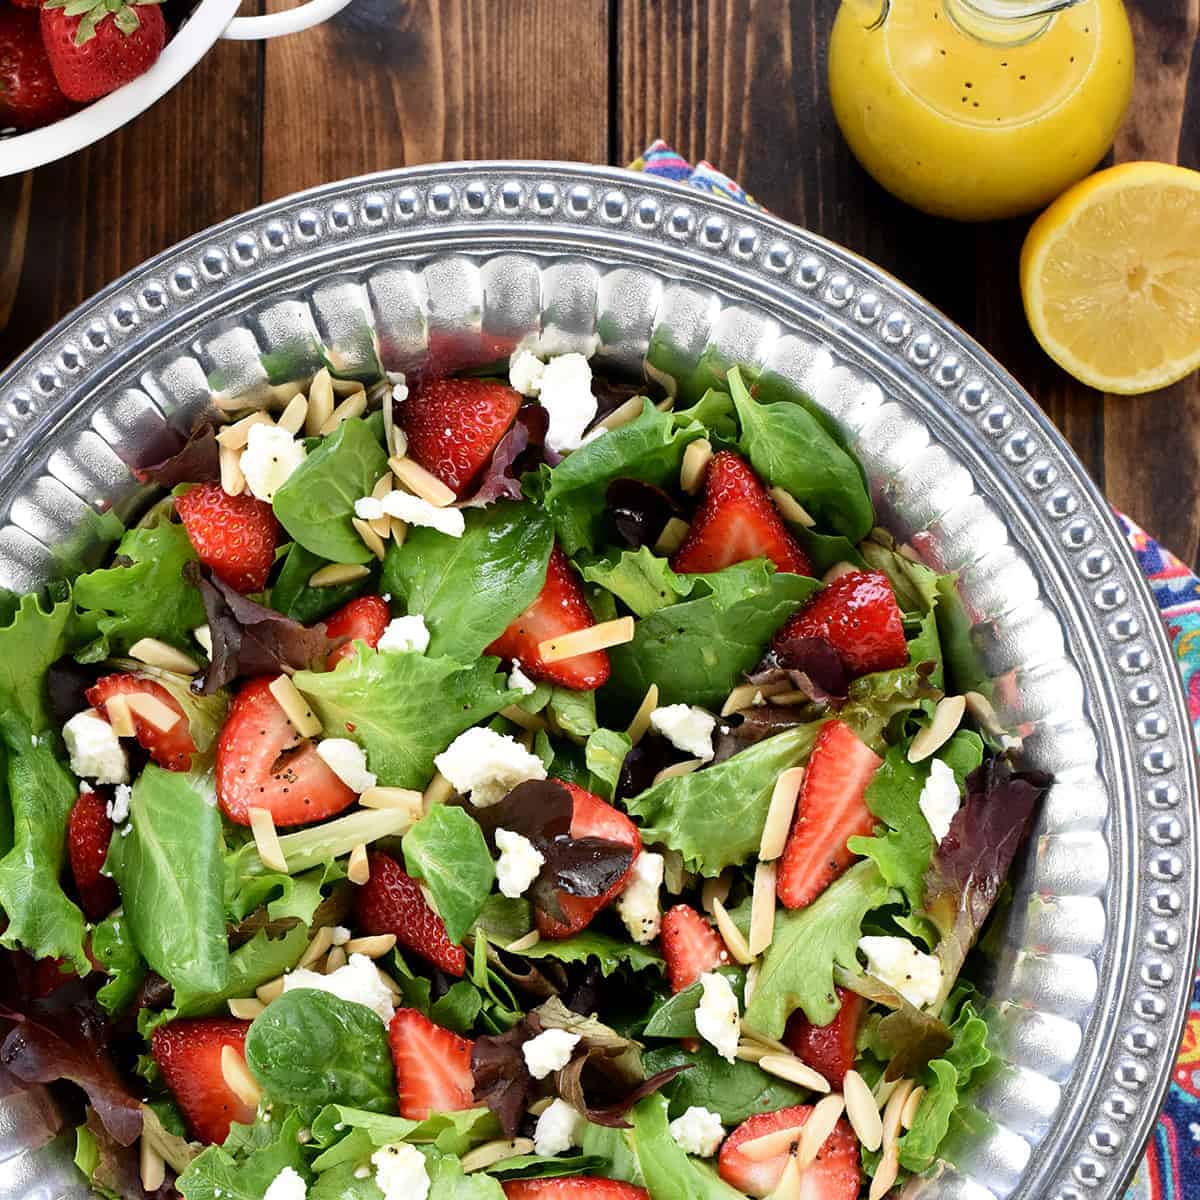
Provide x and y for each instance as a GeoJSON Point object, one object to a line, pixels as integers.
{"type": "Point", "coordinates": [95, 46]}
{"type": "Point", "coordinates": [29, 94]}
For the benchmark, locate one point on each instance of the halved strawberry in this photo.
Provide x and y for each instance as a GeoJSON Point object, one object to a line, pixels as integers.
{"type": "Point", "coordinates": [433, 1066]}
{"type": "Point", "coordinates": [590, 817]}
{"type": "Point", "coordinates": [362, 620]}
{"type": "Point", "coordinates": [188, 1054]}
{"type": "Point", "coordinates": [89, 830]}
{"type": "Point", "coordinates": [234, 535]}
{"type": "Point", "coordinates": [453, 425]}
{"type": "Point", "coordinates": [391, 901]}
{"type": "Point", "coordinates": [736, 521]}
{"type": "Point", "coordinates": [832, 1175]}
{"type": "Point", "coordinates": [690, 946]}
{"type": "Point", "coordinates": [828, 1049]}
{"type": "Point", "coordinates": [572, 1187]}
{"type": "Point", "coordinates": [560, 608]}
{"type": "Point", "coordinates": [858, 616]}
{"type": "Point", "coordinates": [262, 762]}
{"type": "Point", "coordinates": [830, 809]}
{"type": "Point", "coordinates": [171, 748]}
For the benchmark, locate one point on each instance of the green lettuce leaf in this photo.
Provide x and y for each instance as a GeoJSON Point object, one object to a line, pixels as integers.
{"type": "Point", "coordinates": [606, 951]}
{"type": "Point", "coordinates": [615, 1147]}
{"type": "Point", "coordinates": [670, 1174]}
{"type": "Point", "coordinates": [345, 1134]}
{"type": "Point", "coordinates": [218, 1174]}
{"type": "Point", "coordinates": [574, 712]}
{"type": "Point", "coordinates": [604, 753]}
{"type": "Point", "coordinates": [113, 949]}
{"type": "Point", "coordinates": [446, 850]}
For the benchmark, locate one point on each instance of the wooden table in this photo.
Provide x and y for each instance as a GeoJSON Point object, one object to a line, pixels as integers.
{"type": "Point", "coordinates": [741, 82]}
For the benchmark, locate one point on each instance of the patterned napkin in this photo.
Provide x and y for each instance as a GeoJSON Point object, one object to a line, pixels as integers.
{"type": "Point", "coordinates": [1171, 1167]}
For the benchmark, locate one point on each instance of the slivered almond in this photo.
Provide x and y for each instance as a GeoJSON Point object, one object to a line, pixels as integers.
{"type": "Point", "coordinates": [676, 770]}
{"type": "Point", "coordinates": [392, 797]}
{"type": "Point", "coordinates": [370, 538]}
{"type": "Point", "coordinates": [527, 942]}
{"type": "Point", "coordinates": [790, 1185]}
{"type": "Point", "coordinates": [715, 889]}
{"type": "Point", "coordinates": [624, 413]}
{"type": "Point", "coordinates": [337, 573]}
{"type": "Point", "coordinates": [751, 982]}
{"type": "Point", "coordinates": [335, 959]}
{"type": "Point", "coordinates": [751, 1051]}
{"type": "Point", "coordinates": [641, 718]}
{"type": "Point", "coordinates": [883, 1090]}
{"type": "Point", "coordinates": [886, 1174]}
{"type": "Point", "coordinates": [383, 485]}
{"type": "Point", "coordinates": [152, 1167]}
{"type": "Point", "coordinates": [523, 717]}
{"type": "Point", "coordinates": [889, 1165]}
{"type": "Point", "coordinates": [320, 402]}
{"type": "Point", "coordinates": [269, 992]}
{"type": "Point", "coordinates": [539, 1106]}
{"type": "Point", "coordinates": [491, 1153]}
{"type": "Point", "coordinates": [301, 718]}
{"type": "Point", "coordinates": [153, 711]}
{"type": "Point", "coordinates": [666, 405]}
{"type": "Point", "coordinates": [420, 482]}
{"type": "Point", "coordinates": [116, 708]}
{"type": "Point", "coordinates": [389, 421]}
{"type": "Point", "coordinates": [741, 697]}
{"type": "Point", "coordinates": [909, 1114]}
{"type": "Point", "coordinates": [440, 790]}
{"type": "Point", "coordinates": [862, 1111]}
{"type": "Point", "coordinates": [762, 909]}
{"type": "Point", "coordinates": [155, 653]}
{"type": "Point", "coordinates": [245, 1008]}
{"type": "Point", "coordinates": [906, 551]}
{"type": "Point", "coordinates": [672, 537]}
{"type": "Point", "coordinates": [771, 1044]}
{"type": "Point", "coordinates": [233, 482]}
{"type": "Point", "coordinates": [319, 945]}
{"type": "Point", "coordinates": [825, 1115]}
{"type": "Point", "coordinates": [358, 869]}
{"type": "Point", "coordinates": [790, 508]}
{"type": "Point", "coordinates": [946, 719]}
{"type": "Point", "coordinates": [374, 946]}
{"type": "Point", "coordinates": [399, 530]}
{"type": "Point", "coordinates": [388, 982]}
{"type": "Point", "coordinates": [771, 1145]}
{"type": "Point", "coordinates": [980, 707]}
{"type": "Point", "coordinates": [238, 1078]}
{"type": "Point", "coordinates": [585, 641]}
{"type": "Point", "coordinates": [695, 462]}
{"type": "Point", "coordinates": [837, 571]}
{"type": "Point", "coordinates": [789, 1067]}
{"type": "Point", "coordinates": [780, 812]}
{"type": "Point", "coordinates": [235, 436]}
{"type": "Point", "coordinates": [352, 406]}
{"type": "Point", "coordinates": [294, 415]}
{"type": "Point", "coordinates": [731, 935]}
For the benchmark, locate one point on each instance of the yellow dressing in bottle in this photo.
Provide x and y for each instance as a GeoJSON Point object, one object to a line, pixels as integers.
{"type": "Point", "coordinates": [979, 109]}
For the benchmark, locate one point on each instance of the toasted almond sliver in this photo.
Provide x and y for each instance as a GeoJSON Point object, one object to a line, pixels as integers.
{"type": "Point", "coordinates": [825, 1115]}
{"type": "Point", "coordinates": [352, 406]}
{"type": "Point", "coordinates": [155, 653]}
{"type": "Point", "coordinates": [152, 1167]}
{"type": "Point", "coordinates": [980, 707]}
{"type": "Point", "coordinates": [585, 641]}
{"type": "Point", "coordinates": [886, 1175]}
{"type": "Point", "coordinates": [762, 910]}
{"type": "Point", "coordinates": [769, 1043]}
{"type": "Point", "coordinates": [665, 405]}
{"type": "Point", "coordinates": [266, 840]}
{"type": "Point", "coordinates": [440, 790]}
{"type": "Point", "coordinates": [862, 1111]}
{"type": "Point", "coordinates": [837, 571]}
{"type": "Point", "coordinates": [271, 991]}
{"type": "Point", "coordinates": [883, 1090]}
{"type": "Point", "coordinates": [318, 946]}
{"type": "Point", "coordinates": [770, 1145]}
{"type": "Point", "coordinates": [731, 935]}
{"type": "Point", "coordinates": [320, 402]}
{"type": "Point", "coordinates": [751, 1051]}
{"type": "Point", "coordinates": [375, 946]}
{"type": "Point", "coordinates": [624, 413]}
{"type": "Point", "coordinates": [908, 1115]}
{"type": "Point", "coordinates": [335, 959]}
{"type": "Point", "coordinates": [294, 415]}
{"type": "Point", "coordinates": [238, 1078]}
{"type": "Point", "coordinates": [714, 890]}
{"type": "Point", "coordinates": [524, 718]}
{"type": "Point", "coordinates": [751, 982]}
{"type": "Point", "coordinates": [676, 770]}
{"type": "Point", "coordinates": [779, 813]}
{"type": "Point", "coordinates": [788, 1066]}
{"type": "Point", "coordinates": [302, 718]}
{"type": "Point", "coordinates": [894, 1112]}
{"type": "Point", "coordinates": [392, 797]}
{"type": "Point", "coordinates": [337, 573]}
{"type": "Point", "coordinates": [153, 711]}
{"type": "Point", "coordinates": [399, 530]}
{"type": "Point", "coordinates": [946, 719]}
{"type": "Point", "coordinates": [695, 462]}
{"type": "Point", "coordinates": [539, 1106]}
{"type": "Point", "coordinates": [527, 942]}
{"type": "Point", "coordinates": [641, 718]}
{"type": "Point", "coordinates": [491, 1153]}
{"type": "Point", "coordinates": [236, 436]}
{"type": "Point", "coordinates": [387, 981]}
{"type": "Point", "coordinates": [672, 537]}
{"type": "Point", "coordinates": [233, 482]}
{"type": "Point", "coordinates": [245, 1008]}
{"type": "Point", "coordinates": [790, 1184]}
{"type": "Point", "coordinates": [116, 708]}
{"type": "Point", "coordinates": [741, 697]}
{"type": "Point", "coordinates": [790, 508]}
{"type": "Point", "coordinates": [383, 485]}
{"type": "Point", "coordinates": [358, 869]}
{"type": "Point", "coordinates": [420, 482]}
{"type": "Point", "coordinates": [370, 538]}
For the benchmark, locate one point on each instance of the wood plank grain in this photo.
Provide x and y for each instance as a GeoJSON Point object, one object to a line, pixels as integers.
{"type": "Point", "coordinates": [389, 83]}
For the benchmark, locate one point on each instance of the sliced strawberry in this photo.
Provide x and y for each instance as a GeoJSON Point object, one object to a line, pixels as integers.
{"type": "Point", "coordinates": [560, 608]}
{"type": "Point", "coordinates": [391, 901]}
{"type": "Point", "coordinates": [188, 1054]}
{"type": "Point", "coordinates": [453, 426]}
{"type": "Point", "coordinates": [362, 620]}
{"type": "Point", "coordinates": [690, 946]}
{"type": "Point", "coordinates": [234, 535]}
{"type": "Point", "coordinates": [171, 748]}
{"type": "Point", "coordinates": [829, 1049]}
{"type": "Point", "coordinates": [590, 817]}
{"type": "Point", "coordinates": [858, 616]}
{"type": "Point", "coordinates": [433, 1066]}
{"type": "Point", "coordinates": [736, 521]}
{"type": "Point", "coordinates": [832, 1175]}
{"type": "Point", "coordinates": [830, 809]}
{"type": "Point", "coordinates": [573, 1187]}
{"type": "Point", "coordinates": [89, 830]}
{"type": "Point", "coordinates": [262, 762]}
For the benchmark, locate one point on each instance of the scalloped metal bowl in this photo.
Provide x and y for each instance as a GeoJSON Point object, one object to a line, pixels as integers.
{"type": "Point", "coordinates": [1089, 983]}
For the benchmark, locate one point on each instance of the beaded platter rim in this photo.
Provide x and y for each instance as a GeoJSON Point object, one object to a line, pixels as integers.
{"type": "Point", "coordinates": [1019, 461]}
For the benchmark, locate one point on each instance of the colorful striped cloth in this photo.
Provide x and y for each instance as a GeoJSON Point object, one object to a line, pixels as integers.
{"type": "Point", "coordinates": [1171, 1167]}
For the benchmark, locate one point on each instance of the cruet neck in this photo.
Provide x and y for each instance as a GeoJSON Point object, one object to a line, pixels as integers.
{"type": "Point", "coordinates": [1005, 22]}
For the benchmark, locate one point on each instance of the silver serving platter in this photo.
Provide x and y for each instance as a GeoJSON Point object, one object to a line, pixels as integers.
{"type": "Point", "coordinates": [1090, 981]}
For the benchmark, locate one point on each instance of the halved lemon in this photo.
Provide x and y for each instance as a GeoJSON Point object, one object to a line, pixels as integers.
{"type": "Point", "coordinates": [1110, 276]}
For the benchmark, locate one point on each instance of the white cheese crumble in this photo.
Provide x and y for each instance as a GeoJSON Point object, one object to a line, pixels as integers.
{"type": "Point", "coordinates": [717, 1019]}
{"type": "Point", "coordinates": [488, 765]}
{"type": "Point", "coordinates": [341, 935]}
{"type": "Point", "coordinates": [699, 1131]}
{"type": "Point", "coordinates": [549, 1051]}
{"type": "Point", "coordinates": [287, 1185]}
{"type": "Point", "coordinates": [687, 728]}
{"type": "Point", "coordinates": [368, 508]}
{"type": "Point", "coordinates": [898, 963]}
{"type": "Point", "coordinates": [939, 799]}
{"type": "Point", "coordinates": [566, 395]}
{"type": "Point", "coordinates": [525, 373]}
{"type": "Point", "coordinates": [405, 633]}
{"type": "Point", "coordinates": [520, 681]}
{"type": "Point", "coordinates": [203, 636]}
{"type": "Point", "coordinates": [416, 511]}
{"type": "Point", "coordinates": [559, 1128]}
{"type": "Point", "coordinates": [348, 761]}
{"type": "Point", "coordinates": [95, 750]}
{"type": "Point", "coordinates": [118, 807]}
{"type": "Point", "coordinates": [638, 903]}
{"type": "Point", "coordinates": [519, 863]}
{"type": "Point", "coordinates": [358, 981]}
{"type": "Point", "coordinates": [400, 1172]}
{"type": "Point", "coordinates": [270, 457]}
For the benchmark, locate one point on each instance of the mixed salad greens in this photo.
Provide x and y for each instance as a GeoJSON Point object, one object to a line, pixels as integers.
{"type": "Point", "coordinates": [457, 789]}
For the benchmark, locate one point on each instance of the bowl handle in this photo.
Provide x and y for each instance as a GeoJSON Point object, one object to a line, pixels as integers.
{"type": "Point", "coordinates": [293, 20]}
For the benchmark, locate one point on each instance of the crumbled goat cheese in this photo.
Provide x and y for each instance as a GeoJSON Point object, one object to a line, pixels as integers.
{"type": "Point", "coordinates": [94, 749]}
{"type": "Point", "coordinates": [549, 1051]}
{"type": "Point", "coordinates": [347, 760]}
{"type": "Point", "coordinates": [287, 1185]}
{"type": "Point", "coordinates": [405, 633]}
{"type": "Point", "coordinates": [341, 935]}
{"type": "Point", "coordinates": [358, 981]}
{"type": "Point", "coordinates": [488, 765]}
{"type": "Point", "coordinates": [519, 863]}
{"type": "Point", "coordinates": [368, 508]}
{"type": "Point", "coordinates": [416, 511]}
{"type": "Point", "coordinates": [118, 807]}
{"type": "Point", "coordinates": [270, 457]}
{"type": "Point", "coordinates": [687, 728]}
{"type": "Point", "coordinates": [939, 799]}
{"type": "Point", "coordinates": [898, 963]}
{"type": "Point", "coordinates": [699, 1131]}
{"type": "Point", "coordinates": [638, 903]}
{"type": "Point", "coordinates": [400, 1172]}
{"type": "Point", "coordinates": [85, 788]}
{"type": "Point", "coordinates": [520, 681]}
{"type": "Point", "coordinates": [717, 1019]}
{"type": "Point", "coordinates": [559, 1128]}
{"type": "Point", "coordinates": [525, 373]}
{"type": "Point", "coordinates": [566, 395]}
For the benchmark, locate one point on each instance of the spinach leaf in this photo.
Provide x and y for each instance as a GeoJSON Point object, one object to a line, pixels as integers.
{"type": "Point", "coordinates": [113, 949]}
{"type": "Point", "coordinates": [676, 1017]}
{"type": "Point", "coordinates": [715, 817]}
{"type": "Point", "coordinates": [292, 596]}
{"type": "Point", "coordinates": [607, 952]}
{"type": "Point", "coordinates": [790, 448]}
{"type": "Point", "coordinates": [218, 1174]}
{"type": "Point", "coordinates": [502, 920]}
{"type": "Point", "coordinates": [797, 969]}
{"type": "Point", "coordinates": [604, 753]}
{"type": "Point", "coordinates": [446, 850]}
{"type": "Point", "coordinates": [169, 870]}
{"type": "Point", "coordinates": [470, 588]}
{"type": "Point", "coordinates": [670, 1174]}
{"type": "Point", "coordinates": [309, 1047]}
{"type": "Point", "coordinates": [404, 708]}
{"type": "Point", "coordinates": [316, 503]}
